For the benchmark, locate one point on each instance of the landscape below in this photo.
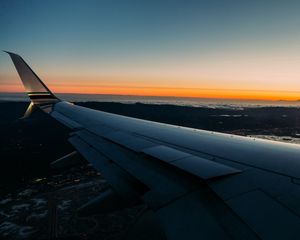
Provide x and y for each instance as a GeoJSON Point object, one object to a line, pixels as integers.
{"type": "Point", "coordinates": [39, 202]}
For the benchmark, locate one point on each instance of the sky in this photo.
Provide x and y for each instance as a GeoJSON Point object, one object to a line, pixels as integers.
{"type": "Point", "coordinates": [212, 49]}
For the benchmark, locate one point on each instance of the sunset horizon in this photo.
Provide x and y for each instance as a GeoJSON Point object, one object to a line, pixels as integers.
{"type": "Point", "coordinates": [221, 94]}
{"type": "Point", "coordinates": [196, 49]}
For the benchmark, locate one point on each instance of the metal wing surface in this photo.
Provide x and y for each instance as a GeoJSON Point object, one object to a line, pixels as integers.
{"type": "Point", "coordinates": [198, 184]}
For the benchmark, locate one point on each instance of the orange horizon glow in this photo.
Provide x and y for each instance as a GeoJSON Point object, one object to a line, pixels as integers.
{"type": "Point", "coordinates": [221, 51]}
{"type": "Point", "coordinates": [236, 94]}
{"type": "Point", "coordinates": [172, 82]}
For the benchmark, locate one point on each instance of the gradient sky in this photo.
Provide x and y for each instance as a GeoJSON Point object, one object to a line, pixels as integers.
{"type": "Point", "coordinates": [225, 49]}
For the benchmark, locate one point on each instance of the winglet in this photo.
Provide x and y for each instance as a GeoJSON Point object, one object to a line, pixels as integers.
{"type": "Point", "coordinates": [37, 91]}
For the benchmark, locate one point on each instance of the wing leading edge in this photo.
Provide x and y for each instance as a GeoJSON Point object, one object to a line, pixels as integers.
{"type": "Point", "coordinates": [200, 185]}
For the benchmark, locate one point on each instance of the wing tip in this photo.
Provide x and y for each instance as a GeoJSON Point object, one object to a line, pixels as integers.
{"type": "Point", "coordinates": [38, 92]}
{"type": "Point", "coordinates": [8, 52]}
{"type": "Point", "coordinates": [12, 54]}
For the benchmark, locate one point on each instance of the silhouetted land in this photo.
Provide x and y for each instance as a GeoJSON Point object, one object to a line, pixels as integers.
{"type": "Point", "coordinates": [263, 120]}
{"type": "Point", "coordinates": [27, 146]}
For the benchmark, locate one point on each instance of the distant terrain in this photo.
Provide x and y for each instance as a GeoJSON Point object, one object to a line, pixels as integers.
{"type": "Point", "coordinates": [30, 189]}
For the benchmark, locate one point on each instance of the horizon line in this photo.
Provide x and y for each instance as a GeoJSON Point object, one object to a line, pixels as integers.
{"type": "Point", "coordinates": [161, 96]}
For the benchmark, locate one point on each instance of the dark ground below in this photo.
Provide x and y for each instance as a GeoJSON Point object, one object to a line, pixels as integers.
{"type": "Point", "coordinates": [41, 203]}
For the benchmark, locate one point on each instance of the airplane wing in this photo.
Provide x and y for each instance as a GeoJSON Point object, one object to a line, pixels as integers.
{"type": "Point", "coordinates": [198, 184]}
